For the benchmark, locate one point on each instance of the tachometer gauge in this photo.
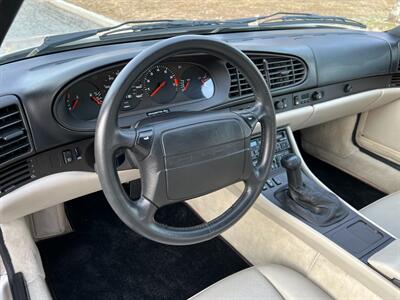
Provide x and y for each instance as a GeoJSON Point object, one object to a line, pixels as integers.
{"type": "Point", "coordinates": [160, 84]}
{"type": "Point", "coordinates": [196, 83]}
{"type": "Point", "coordinates": [83, 100]}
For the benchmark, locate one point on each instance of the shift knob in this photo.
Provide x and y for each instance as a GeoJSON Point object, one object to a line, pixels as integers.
{"type": "Point", "coordinates": [292, 163]}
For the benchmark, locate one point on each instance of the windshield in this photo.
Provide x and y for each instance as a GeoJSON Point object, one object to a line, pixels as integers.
{"type": "Point", "coordinates": [38, 19]}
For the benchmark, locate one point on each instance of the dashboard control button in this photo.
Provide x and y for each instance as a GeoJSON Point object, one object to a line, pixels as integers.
{"type": "Point", "coordinates": [250, 119]}
{"type": "Point", "coordinates": [347, 88]}
{"type": "Point", "coordinates": [279, 105]}
{"type": "Point", "coordinates": [317, 95]}
{"type": "Point", "coordinates": [270, 183]}
{"type": "Point", "coordinates": [77, 153]}
{"type": "Point", "coordinates": [144, 141]}
{"type": "Point", "coordinates": [67, 155]}
{"type": "Point", "coordinates": [277, 181]}
{"type": "Point", "coordinates": [296, 100]}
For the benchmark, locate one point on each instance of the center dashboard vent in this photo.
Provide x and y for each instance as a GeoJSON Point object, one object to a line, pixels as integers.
{"type": "Point", "coordinates": [395, 80]}
{"type": "Point", "coordinates": [279, 71]}
{"type": "Point", "coordinates": [14, 138]}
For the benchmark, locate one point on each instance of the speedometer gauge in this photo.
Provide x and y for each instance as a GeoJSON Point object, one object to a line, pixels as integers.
{"type": "Point", "coordinates": [160, 84]}
{"type": "Point", "coordinates": [132, 97]}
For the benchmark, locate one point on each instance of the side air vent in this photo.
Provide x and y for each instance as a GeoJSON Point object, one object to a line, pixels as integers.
{"type": "Point", "coordinates": [278, 71]}
{"type": "Point", "coordinates": [14, 138]}
{"type": "Point", "coordinates": [395, 81]}
{"type": "Point", "coordinates": [15, 175]}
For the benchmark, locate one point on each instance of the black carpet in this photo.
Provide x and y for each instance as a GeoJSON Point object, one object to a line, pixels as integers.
{"type": "Point", "coordinates": [103, 259]}
{"type": "Point", "coordinates": [355, 192]}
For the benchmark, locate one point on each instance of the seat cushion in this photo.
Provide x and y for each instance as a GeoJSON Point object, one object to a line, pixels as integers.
{"type": "Point", "coordinates": [386, 213]}
{"type": "Point", "coordinates": [264, 282]}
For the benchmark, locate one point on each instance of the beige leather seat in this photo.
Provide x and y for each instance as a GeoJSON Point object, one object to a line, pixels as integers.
{"type": "Point", "coordinates": [386, 213]}
{"type": "Point", "coordinates": [264, 282]}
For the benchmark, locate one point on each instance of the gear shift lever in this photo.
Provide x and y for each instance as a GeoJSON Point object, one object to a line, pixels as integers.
{"type": "Point", "coordinates": [310, 201]}
{"type": "Point", "coordinates": [292, 163]}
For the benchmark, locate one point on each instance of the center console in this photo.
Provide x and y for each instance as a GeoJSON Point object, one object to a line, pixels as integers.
{"type": "Point", "coordinates": [308, 201]}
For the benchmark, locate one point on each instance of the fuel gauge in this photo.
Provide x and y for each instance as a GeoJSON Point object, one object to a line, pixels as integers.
{"type": "Point", "coordinates": [83, 100]}
{"type": "Point", "coordinates": [196, 83]}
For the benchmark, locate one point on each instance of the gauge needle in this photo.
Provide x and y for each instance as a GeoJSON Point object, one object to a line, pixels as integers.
{"type": "Point", "coordinates": [96, 100]}
{"type": "Point", "coordinates": [75, 103]}
{"type": "Point", "coordinates": [158, 88]}
{"type": "Point", "coordinates": [186, 86]}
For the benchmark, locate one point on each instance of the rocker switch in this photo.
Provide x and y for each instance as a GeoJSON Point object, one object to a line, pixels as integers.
{"type": "Point", "coordinates": [67, 156]}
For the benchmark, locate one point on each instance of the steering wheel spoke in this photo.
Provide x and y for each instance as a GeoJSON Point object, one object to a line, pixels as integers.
{"type": "Point", "coordinates": [145, 210]}
{"type": "Point", "coordinates": [124, 138]}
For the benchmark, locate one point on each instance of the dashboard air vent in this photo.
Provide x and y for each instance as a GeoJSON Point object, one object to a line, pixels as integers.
{"type": "Point", "coordinates": [278, 71]}
{"type": "Point", "coordinates": [395, 81]}
{"type": "Point", "coordinates": [14, 139]}
{"type": "Point", "coordinates": [15, 175]}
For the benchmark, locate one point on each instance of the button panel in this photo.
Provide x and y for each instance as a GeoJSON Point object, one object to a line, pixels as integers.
{"type": "Point", "coordinates": [283, 148]}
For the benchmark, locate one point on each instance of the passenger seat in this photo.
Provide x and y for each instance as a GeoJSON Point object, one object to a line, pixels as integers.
{"type": "Point", "coordinates": [386, 213]}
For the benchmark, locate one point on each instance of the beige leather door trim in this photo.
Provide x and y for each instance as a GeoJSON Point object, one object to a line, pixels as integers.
{"type": "Point", "coordinates": [378, 131]}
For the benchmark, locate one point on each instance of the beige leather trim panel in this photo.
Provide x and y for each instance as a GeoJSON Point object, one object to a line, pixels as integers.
{"type": "Point", "coordinates": [346, 106]}
{"type": "Point", "coordinates": [334, 109]}
{"type": "Point", "coordinates": [379, 131]}
{"type": "Point", "coordinates": [387, 260]}
{"type": "Point", "coordinates": [332, 142]}
{"type": "Point", "coordinates": [51, 190]}
{"type": "Point", "coordinates": [25, 257]}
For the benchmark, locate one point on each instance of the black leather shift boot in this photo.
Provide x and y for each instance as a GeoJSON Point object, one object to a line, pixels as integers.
{"type": "Point", "coordinates": [308, 200]}
{"type": "Point", "coordinates": [315, 205]}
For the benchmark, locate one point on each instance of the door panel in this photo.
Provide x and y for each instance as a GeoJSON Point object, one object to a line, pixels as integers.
{"type": "Point", "coordinates": [367, 147]}
{"type": "Point", "coordinates": [378, 132]}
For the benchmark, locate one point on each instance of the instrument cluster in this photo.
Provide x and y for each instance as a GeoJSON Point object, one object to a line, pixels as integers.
{"type": "Point", "coordinates": [163, 84]}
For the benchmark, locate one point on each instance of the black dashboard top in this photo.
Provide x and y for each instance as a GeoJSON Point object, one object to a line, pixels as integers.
{"type": "Point", "coordinates": [329, 55]}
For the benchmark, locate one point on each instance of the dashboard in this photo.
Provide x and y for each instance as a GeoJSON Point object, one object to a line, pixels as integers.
{"type": "Point", "coordinates": [55, 99]}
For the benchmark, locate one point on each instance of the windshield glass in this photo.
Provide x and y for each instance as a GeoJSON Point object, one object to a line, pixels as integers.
{"type": "Point", "coordinates": [38, 19]}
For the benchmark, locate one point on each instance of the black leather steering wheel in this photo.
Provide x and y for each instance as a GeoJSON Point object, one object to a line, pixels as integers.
{"type": "Point", "coordinates": [185, 155]}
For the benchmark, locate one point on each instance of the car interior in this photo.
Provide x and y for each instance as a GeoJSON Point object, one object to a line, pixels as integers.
{"type": "Point", "coordinates": [260, 164]}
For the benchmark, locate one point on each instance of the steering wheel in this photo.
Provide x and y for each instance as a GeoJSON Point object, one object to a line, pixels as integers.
{"type": "Point", "coordinates": [181, 156]}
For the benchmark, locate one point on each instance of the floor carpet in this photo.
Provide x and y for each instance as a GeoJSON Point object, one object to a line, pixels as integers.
{"type": "Point", "coordinates": [103, 259]}
{"type": "Point", "coordinates": [355, 192]}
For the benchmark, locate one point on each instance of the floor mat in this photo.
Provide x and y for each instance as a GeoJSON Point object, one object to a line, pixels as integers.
{"type": "Point", "coordinates": [103, 259]}
{"type": "Point", "coordinates": [355, 192]}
